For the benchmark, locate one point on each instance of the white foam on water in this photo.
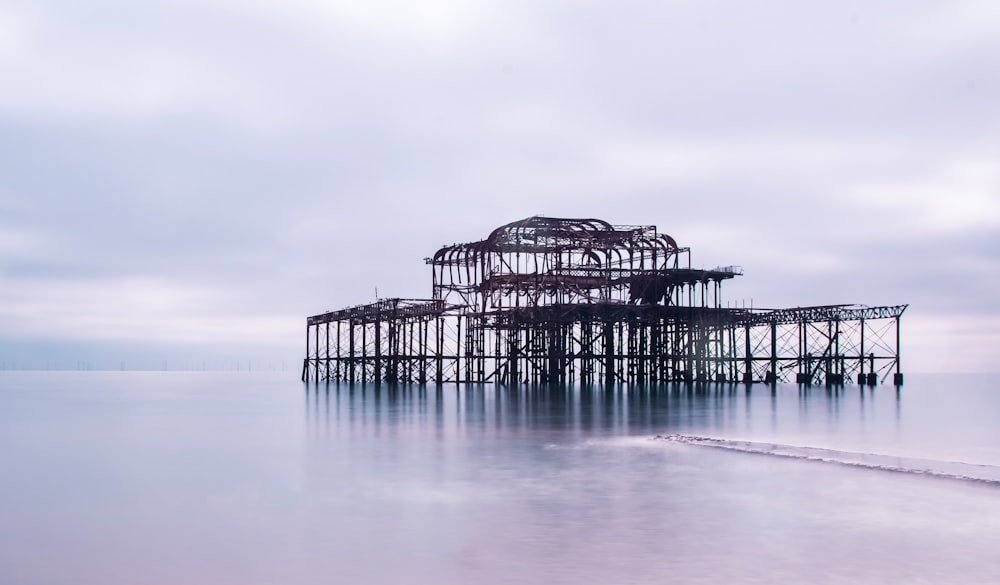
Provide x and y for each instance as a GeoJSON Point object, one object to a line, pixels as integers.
{"type": "Point", "coordinates": [988, 474]}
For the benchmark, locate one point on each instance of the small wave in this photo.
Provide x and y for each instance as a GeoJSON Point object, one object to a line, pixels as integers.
{"type": "Point", "coordinates": [988, 474]}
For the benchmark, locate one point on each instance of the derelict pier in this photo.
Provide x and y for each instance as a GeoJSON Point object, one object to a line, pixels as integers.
{"type": "Point", "coordinates": [546, 300]}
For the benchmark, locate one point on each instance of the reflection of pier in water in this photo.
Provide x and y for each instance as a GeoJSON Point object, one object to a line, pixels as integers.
{"type": "Point", "coordinates": [589, 410]}
{"type": "Point", "coordinates": [546, 300]}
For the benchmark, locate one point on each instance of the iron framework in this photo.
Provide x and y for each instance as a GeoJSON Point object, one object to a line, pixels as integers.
{"type": "Point", "coordinates": [547, 300]}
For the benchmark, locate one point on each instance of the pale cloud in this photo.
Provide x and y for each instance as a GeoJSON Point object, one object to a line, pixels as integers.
{"type": "Point", "coordinates": [13, 27]}
{"type": "Point", "coordinates": [962, 195]}
{"type": "Point", "coordinates": [132, 309]}
{"type": "Point", "coordinates": [439, 23]}
{"type": "Point", "coordinates": [962, 342]}
{"type": "Point", "coordinates": [19, 244]}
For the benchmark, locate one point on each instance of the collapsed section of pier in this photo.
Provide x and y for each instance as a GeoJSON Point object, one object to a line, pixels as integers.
{"type": "Point", "coordinates": [548, 300]}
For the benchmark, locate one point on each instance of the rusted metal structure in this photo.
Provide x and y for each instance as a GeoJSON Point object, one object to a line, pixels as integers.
{"type": "Point", "coordinates": [546, 300]}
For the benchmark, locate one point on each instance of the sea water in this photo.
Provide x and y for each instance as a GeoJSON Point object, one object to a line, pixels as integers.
{"type": "Point", "coordinates": [257, 478]}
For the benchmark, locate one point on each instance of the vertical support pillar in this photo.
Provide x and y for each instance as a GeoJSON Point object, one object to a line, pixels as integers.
{"type": "Point", "coordinates": [378, 351]}
{"type": "Point", "coordinates": [316, 363]}
{"type": "Point", "coordinates": [392, 369]}
{"type": "Point", "coordinates": [305, 362]}
{"type": "Point", "coordinates": [861, 354]}
{"type": "Point", "coordinates": [805, 358]}
{"type": "Point", "coordinates": [364, 351]}
{"type": "Point", "coordinates": [409, 351]}
{"type": "Point", "coordinates": [438, 350]}
{"type": "Point", "coordinates": [339, 367]}
{"type": "Point", "coordinates": [609, 353]}
{"type": "Point", "coordinates": [352, 351]}
{"type": "Point", "coordinates": [481, 338]}
{"type": "Point", "coordinates": [458, 348]}
{"type": "Point", "coordinates": [835, 361]}
{"type": "Point", "coordinates": [425, 325]}
{"type": "Point", "coordinates": [655, 352]}
{"type": "Point", "coordinates": [630, 353]}
{"type": "Point", "coordinates": [621, 354]}
{"type": "Point", "coordinates": [327, 373]}
{"type": "Point", "coordinates": [496, 355]}
{"type": "Point", "coordinates": [836, 346]}
{"type": "Point", "coordinates": [772, 374]}
{"type": "Point", "coordinates": [747, 356]}
{"type": "Point", "coordinates": [829, 350]}
{"type": "Point", "coordinates": [689, 349]}
{"type": "Point", "coordinates": [731, 354]}
{"type": "Point", "coordinates": [897, 378]}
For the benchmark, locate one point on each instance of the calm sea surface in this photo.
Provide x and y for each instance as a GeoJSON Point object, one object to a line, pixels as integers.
{"type": "Point", "coordinates": [256, 478]}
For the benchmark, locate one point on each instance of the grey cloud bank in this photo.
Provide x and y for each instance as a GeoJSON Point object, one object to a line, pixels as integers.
{"type": "Point", "coordinates": [184, 182]}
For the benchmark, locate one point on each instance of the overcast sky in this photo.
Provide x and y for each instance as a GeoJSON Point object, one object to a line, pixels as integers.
{"type": "Point", "coordinates": [182, 182]}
